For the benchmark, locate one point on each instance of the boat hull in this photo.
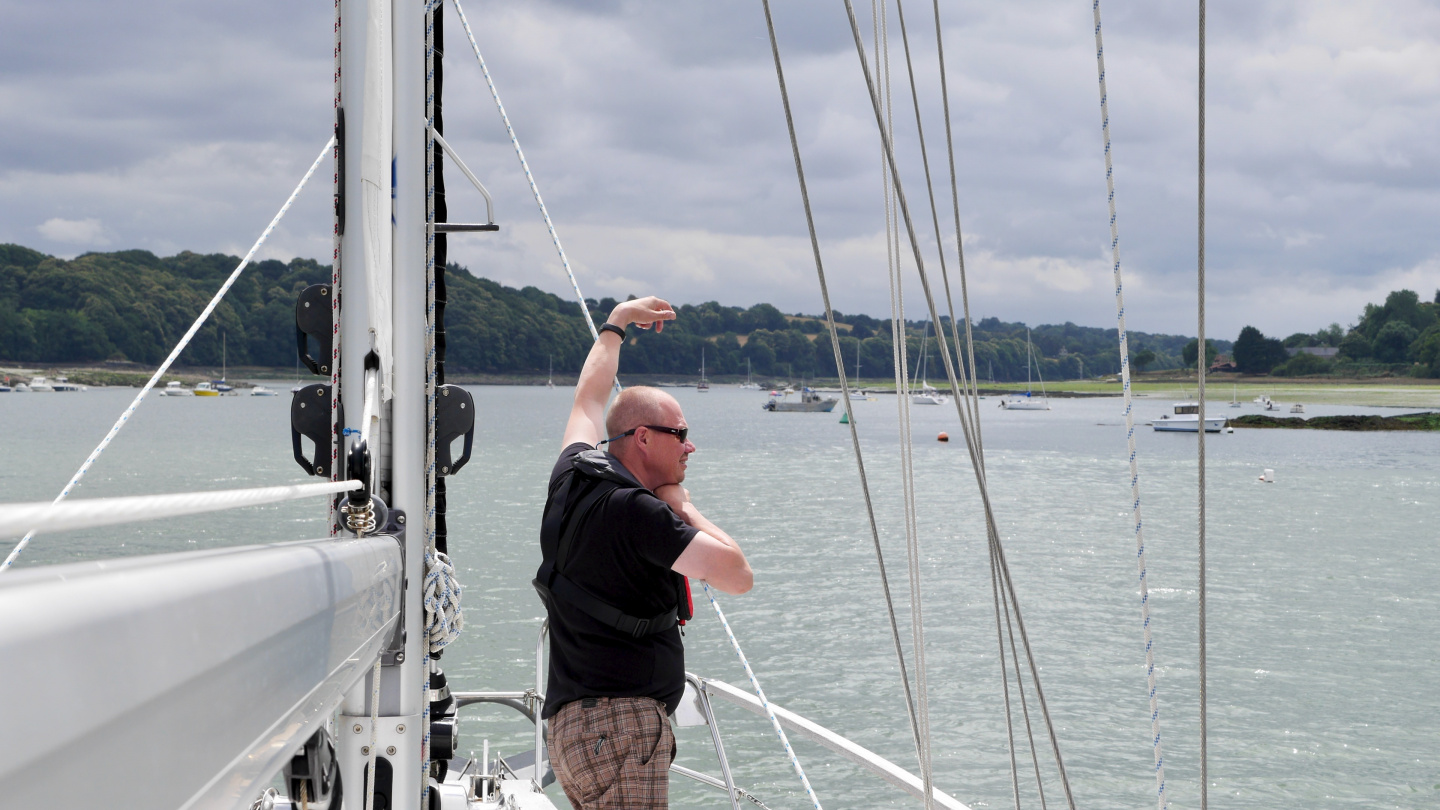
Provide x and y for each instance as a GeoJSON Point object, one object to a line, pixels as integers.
{"type": "Point", "coordinates": [825, 406]}
{"type": "Point", "coordinates": [1182, 424]}
{"type": "Point", "coordinates": [1025, 404]}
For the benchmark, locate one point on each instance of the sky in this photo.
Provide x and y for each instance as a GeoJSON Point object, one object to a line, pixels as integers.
{"type": "Point", "coordinates": [655, 133]}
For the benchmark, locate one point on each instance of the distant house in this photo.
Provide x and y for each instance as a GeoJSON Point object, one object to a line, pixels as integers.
{"type": "Point", "coordinates": [1223, 363]}
{"type": "Point", "coordinates": [1318, 351]}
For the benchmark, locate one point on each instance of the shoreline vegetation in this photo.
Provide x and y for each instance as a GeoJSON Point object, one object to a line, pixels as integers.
{"type": "Point", "coordinates": [1428, 420]}
{"type": "Point", "coordinates": [109, 318]}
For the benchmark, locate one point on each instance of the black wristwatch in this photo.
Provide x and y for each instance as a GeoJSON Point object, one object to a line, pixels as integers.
{"type": "Point", "coordinates": [610, 327]}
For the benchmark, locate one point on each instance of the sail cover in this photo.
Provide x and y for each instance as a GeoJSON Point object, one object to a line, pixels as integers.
{"type": "Point", "coordinates": [377, 182]}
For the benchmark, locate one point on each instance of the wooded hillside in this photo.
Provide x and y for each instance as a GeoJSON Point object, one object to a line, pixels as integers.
{"type": "Point", "coordinates": [133, 305]}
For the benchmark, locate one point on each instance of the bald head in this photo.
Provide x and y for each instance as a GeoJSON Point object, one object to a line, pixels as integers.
{"type": "Point", "coordinates": [640, 405]}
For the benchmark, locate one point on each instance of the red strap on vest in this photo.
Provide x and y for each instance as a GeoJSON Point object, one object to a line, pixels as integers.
{"type": "Point", "coordinates": [689, 602]}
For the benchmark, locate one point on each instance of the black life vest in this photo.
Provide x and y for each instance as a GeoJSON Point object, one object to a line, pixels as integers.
{"type": "Point", "coordinates": [579, 495]}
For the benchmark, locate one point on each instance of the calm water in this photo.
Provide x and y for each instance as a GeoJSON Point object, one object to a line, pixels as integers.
{"type": "Point", "coordinates": [1324, 656]}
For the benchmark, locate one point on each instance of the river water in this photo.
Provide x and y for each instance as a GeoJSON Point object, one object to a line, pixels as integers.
{"type": "Point", "coordinates": [1324, 656]}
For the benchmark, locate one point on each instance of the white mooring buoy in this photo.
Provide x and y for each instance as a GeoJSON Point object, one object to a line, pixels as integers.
{"type": "Point", "coordinates": [1268, 476]}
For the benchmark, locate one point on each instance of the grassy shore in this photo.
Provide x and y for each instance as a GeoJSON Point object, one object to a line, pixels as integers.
{"type": "Point", "coordinates": [1399, 392]}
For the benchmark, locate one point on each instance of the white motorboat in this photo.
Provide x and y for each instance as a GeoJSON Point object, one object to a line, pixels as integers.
{"type": "Point", "coordinates": [175, 389]}
{"type": "Point", "coordinates": [40, 385]}
{"type": "Point", "coordinates": [809, 402]}
{"type": "Point", "coordinates": [64, 384]}
{"type": "Point", "coordinates": [1186, 419]}
{"type": "Point", "coordinates": [205, 389]}
{"type": "Point", "coordinates": [1297, 408]}
{"type": "Point", "coordinates": [261, 391]}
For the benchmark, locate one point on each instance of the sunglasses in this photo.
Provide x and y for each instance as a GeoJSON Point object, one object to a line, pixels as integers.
{"type": "Point", "coordinates": [679, 433]}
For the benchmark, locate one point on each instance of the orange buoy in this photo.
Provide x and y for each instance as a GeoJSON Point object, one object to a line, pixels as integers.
{"type": "Point", "coordinates": [943, 437]}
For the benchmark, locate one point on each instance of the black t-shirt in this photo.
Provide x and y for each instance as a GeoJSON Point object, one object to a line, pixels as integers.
{"type": "Point", "coordinates": [621, 555]}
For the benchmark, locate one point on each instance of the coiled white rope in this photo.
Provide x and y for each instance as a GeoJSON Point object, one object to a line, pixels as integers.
{"type": "Point", "coordinates": [760, 693]}
{"type": "Point", "coordinates": [174, 353]}
{"type": "Point", "coordinates": [23, 518]}
{"type": "Point", "coordinates": [443, 617]}
{"type": "Point", "coordinates": [1159, 757]}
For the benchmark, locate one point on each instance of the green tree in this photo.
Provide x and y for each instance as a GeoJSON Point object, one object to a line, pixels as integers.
{"type": "Point", "coordinates": [1304, 365]}
{"type": "Point", "coordinates": [1257, 354]}
{"type": "Point", "coordinates": [1392, 343]}
{"type": "Point", "coordinates": [1426, 350]}
{"type": "Point", "coordinates": [1191, 352]}
{"type": "Point", "coordinates": [1142, 358]}
{"type": "Point", "coordinates": [1330, 335]}
{"type": "Point", "coordinates": [1355, 346]}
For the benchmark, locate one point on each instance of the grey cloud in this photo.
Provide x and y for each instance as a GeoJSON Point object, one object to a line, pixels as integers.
{"type": "Point", "coordinates": [655, 133]}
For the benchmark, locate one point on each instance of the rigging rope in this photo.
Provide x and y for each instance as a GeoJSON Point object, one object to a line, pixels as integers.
{"type": "Point", "coordinates": [974, 392]}
{"type": "Point", "coordinates": [760, 693]}
{"type": "Point", "coordinates": [844, 382]}
{"type": "Point", "coordinates": [174, 353]}
{"type": "Point", "coordinates": [1024, 708]}
{"type": "Point", "coordinates": [966, 390]}
{"type": "Point", "coordinates": [525, 166]}
{"type": "Point", "coordinates": [529, 178]}
{"type": "Point", "coordinates": [1158, 754]}
{"type": "Point", "coordinates": [964, 422]}
{"type": "Point", "coordinates": [1201, 361]}
{"type": "Point", "coordinates": [902, 389]}
{"type": "Point", "coordinates": [372, 750]}
{"type": "Point", "coordinates": [53, 516]}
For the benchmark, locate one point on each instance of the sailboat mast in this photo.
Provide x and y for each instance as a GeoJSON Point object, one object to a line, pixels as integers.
{"type": "Point", "coordinates": [1029, 353]}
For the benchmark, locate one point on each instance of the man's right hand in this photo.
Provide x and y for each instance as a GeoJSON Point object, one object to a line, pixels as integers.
{"type": "Point", "coordinates": [587, 414]}
{"type": "Point", "coordinates": [643, 312]}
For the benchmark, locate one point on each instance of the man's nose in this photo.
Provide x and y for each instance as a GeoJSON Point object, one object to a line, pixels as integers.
{"type": "Point", "coordinates": [689, 446]}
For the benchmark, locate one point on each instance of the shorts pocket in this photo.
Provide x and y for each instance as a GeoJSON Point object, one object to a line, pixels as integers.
{"type": "Point", "coordinates": [595, 760]}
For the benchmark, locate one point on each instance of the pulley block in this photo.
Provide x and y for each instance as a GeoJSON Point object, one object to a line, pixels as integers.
{"type": "Point", "coordinates": [310, 417]}
{"type": "Point", "coordinates": [314, 318]}
{"type": "Point", "coordinates": [454, 417]}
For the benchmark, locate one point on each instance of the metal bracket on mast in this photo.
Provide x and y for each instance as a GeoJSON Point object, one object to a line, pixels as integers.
{"type": "Point", "coordinates": [456, 227]}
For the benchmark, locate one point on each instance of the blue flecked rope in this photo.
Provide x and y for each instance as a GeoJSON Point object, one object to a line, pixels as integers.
{"type": "Point", "coordinates": [760, 693]}
{"type": "Point", "coordinates": [1130, 425]}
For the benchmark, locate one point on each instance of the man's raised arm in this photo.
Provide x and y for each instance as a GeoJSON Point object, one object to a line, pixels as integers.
{"type": "Point", "coordinates": [587, 415]}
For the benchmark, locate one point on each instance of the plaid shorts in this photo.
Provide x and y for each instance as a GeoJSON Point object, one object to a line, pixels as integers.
{"type": "Point", "coordinates": [613, 753]}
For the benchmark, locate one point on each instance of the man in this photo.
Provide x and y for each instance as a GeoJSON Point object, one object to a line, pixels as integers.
{"type": "Point", "coordinates": [619, 538]}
